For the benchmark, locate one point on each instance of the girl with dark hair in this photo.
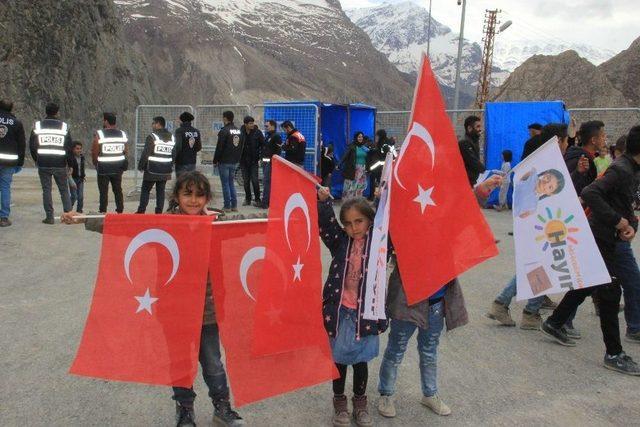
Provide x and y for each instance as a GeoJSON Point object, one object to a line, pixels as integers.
{"type": "Point", "coordinates": [354, 340]}
{"type": "Point", "coordinates": [353, 167]}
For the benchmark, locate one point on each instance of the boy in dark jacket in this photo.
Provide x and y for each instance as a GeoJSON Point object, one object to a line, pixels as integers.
{"type": "Point", "coordinates": [78, 176]}
{"type": "Point", "coordinates": [612, 218]}
{"type": "Point", "coordinates": [252, 141]}
{"type": "Point", "coordinates": [579, 159]}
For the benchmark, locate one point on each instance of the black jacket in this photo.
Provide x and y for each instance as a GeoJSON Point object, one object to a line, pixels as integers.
{"type": "Point", "coordinates": [272, 145]}
{"type": "Point", "coordinates": [295, 147]}
{"type": "Point", "coordinates": [531, 145]}
{"type": "Point", "coordinates": [375, 156]}
{"type": "Point", "coordinates": [327, 164]}
{"type": "Point", "coordinates": [185, 136]}
{"type": "Point", "coordinates": [50, 162]}
{"type": "Point", "coordinates": [610, 198]}
{"type": "Point", "coordinates": [143, 163]}
{"type": "Point", "coordinates": [470, 151]}
{"type": "Point", "coordinates": [229, 146]}
{"type": "Point", "coordinates": [251, 145]}
{"type": "Point", "coordinates": [580, 180]}
{"type": "Point", "coordinates": [12, 140]}
{"type": "Point", "coordinates": [77, 172]}
{"type": "Point", "coordinates": [348, 162]}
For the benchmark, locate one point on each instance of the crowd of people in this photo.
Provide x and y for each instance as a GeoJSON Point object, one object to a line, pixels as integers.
{"type": "Point", "coordinates": [607, 195]}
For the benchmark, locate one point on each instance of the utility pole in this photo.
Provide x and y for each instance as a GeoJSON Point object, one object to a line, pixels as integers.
{"type": "Point", "coordinates": [456, 94]}
{"type": "Point", "coordinates": [484, 81]}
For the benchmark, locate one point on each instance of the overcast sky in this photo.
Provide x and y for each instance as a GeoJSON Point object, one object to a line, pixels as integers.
{"type": "Point", "coordinates": [610, 24]}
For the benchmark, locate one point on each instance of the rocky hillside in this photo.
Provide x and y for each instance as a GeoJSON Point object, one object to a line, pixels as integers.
{"type": "Point", "coordinates": [623, 70]}
{"type": "Point", "coordinates": [76, 56]}
{"type": "Point", "coordinates": [249, 51]}
{"type": "Point", "coordinates": [567, 77]}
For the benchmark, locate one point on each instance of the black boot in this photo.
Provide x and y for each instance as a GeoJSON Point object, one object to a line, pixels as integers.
{"type": "Point", "coordinates": [185, 417]}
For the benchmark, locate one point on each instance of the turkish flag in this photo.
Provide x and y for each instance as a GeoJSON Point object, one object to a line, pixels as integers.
{"type": "Point", "coordinates": [437, 228]}
{"type": "Point", "coordinates": [236, 268]}
{"type": "Point", "coordinates": [289, 309]}
{"type": "Point", "coordinates": [146, 315]}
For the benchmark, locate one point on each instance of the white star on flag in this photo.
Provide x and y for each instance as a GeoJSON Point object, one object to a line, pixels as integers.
{"type": "Point", "coordinates": [297, 270]}
{"type": "Point", "coordinates": [424, 198]}
{"type": "Point", "coordinates": [145, 301]}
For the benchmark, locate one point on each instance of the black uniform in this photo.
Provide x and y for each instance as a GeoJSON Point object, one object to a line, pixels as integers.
{"type": "Point", "coordinates": [229, 146]}
{"type": "Point", "coordinates": [188, 143]}
{"type": "Point", "coordinates": [251, 147]}
{"type": "Point", "coordinates": [12, 140]}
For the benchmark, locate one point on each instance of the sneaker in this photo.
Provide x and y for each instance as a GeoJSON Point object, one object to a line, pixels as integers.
{"type": "Point", "coordinates": [341, 416]}
{"type": "Point", "coordinates": [436, 405]}
{"type": "Point", "coordinates": [572, 332]}
{"type": "Point", "coordinates": [49, 221]}
{"type": "Point", "coordinates": [234, 209]}
{"type": "Point", "coordinates": [185, 416]}
{"type": "Point", "coordinates": [500, 312]}
{"type": "Point", "coordinates": [621, 363]}
{"type": "Point", "coordinates": [4, 222]}
{"type": "Point", "coordinates": [530, 321]}
{"type": "Point", "coordinates": [223, 415]}
{"type": "Point", "coordinates": [361, 411]}
{"type": "Point", "coordinates": [548, 304]}
{"type": "Point", "coordinates": [632, 337]}
{"type": "Point", "coordinates": [386, 406]}
{"type": "Point", "coordinates": [247, 203]}
{"type": "Point", "coordinates": [557, 334]}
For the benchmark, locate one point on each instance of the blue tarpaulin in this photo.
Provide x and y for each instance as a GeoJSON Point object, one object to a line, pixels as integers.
{"type": "Point", "coordinates": [506, 129]}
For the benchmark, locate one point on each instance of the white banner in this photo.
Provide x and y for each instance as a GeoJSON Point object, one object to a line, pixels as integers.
{"type": "Point", "coordinates": [376, 286]}
{"type": "Point", "coordinates": [555, 249]}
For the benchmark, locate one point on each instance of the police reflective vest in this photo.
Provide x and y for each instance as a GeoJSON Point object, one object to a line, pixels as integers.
{"type": "Point", "coordinates": [9, 147]}
{"type": "Point", "coordinates": [51, 150]}
{"type": "Point", "coordinates": [111, 158]}
{"type": "Point", "coordinates": [161, 160]}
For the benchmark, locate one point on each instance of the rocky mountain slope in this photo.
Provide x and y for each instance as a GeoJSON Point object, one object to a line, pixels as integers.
{"type": "Point", "coordinates": [567, 77]}
{"type": "Point", "coordinates": [623, 70]}
{"type": "Point", "coordinates": [249, 51]}
{"type": "Point", "coordinates": [76, 56]}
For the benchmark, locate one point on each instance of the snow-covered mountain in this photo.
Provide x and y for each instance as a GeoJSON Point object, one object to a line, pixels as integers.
{"type": "Point", "coordinates": [398, 28]}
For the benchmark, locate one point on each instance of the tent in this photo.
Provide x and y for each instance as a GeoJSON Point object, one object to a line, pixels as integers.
{"type": "Point", "coordinates": [506, 129]}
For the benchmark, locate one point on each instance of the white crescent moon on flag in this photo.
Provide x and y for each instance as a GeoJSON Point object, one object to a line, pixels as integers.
{"type": "Point", "coordinates": [296, 201]}
{"type": "Point", "coordinates": [421, 132]}
{"type": "Point", "coordinates": [254, 254]}
{"type": "Point", "coordinates": [153, 235]}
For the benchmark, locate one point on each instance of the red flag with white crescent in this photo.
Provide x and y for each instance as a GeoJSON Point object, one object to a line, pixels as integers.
{"type": "Point", "coordinates": [437, 228]}
{"type": "Point", "coordinates": [146, 315]}
{"type": "Point", "coordinates": [289, 310]}
{"type": "Point", "coordinates": [236, 268]}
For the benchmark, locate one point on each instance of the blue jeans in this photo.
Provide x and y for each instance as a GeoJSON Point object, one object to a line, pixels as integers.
{"type": "Point", "coordinates": [77, 194]}
{"type": "Point", "coordinates": [227, 176]}
{"type": "Point", "coordinates": [6, 177]}
{"type": "Point", "coordinates": [628, 275]}
{"type": "Point", "coordinates": [507, 294]}
{"type": "Point", "coordinates": [428, 339]}
{"type": "Point", "coordinates": [212, 369]}
{"type": "Point", "coordinates": [266, 180]}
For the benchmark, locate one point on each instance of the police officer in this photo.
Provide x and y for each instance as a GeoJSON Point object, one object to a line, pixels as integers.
{"type": "Point", "coordinates": [226, 158]}
{"type": "Point", "coordinates": [12, 149]}
{"type": "Point", "coordinates": [188, 143]}
{"type": "Point", "coordinates": [156, 161]}
{"type": "Point", "coordinates": [109, 155]}
{"type": "Point", "coordinates": [50, 145]}
{"type": "Point", "coordinates": [272, 147]}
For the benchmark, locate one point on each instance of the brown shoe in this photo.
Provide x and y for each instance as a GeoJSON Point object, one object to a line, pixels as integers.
{"type": "Point", "coordinates": [500, 313]}
{"type": "Point", "coordinates": [4, 222]}
{"type": "Point", "coordinates": [361, 411]}
{"type": "Point", "coordinates": [530, 321]}
{"type": "Point", "coordinates": [548, 304]}
{"type": "Point", "coordinates": [341, 412]}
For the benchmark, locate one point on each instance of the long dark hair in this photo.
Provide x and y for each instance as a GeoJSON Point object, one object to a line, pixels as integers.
{"type": "Point", "coordinates": [192, 181]}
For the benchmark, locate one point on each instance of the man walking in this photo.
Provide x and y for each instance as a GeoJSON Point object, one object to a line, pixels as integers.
{"type": "Point", "coordinates": [295, 145]}
{"type": "Point", "coordinates": [252, 141]}
{"type": "Point", "coordinates": [50, 145]}
{"type": "Point", "coordinates": [226, 158]}
{"type": "Point", "coordinates": [157, 163]}
{"type": "Point", "coordinates": [272, 147]}
{"type": "Point", "coordinates": [470, 148]}
{"type": "Point", "coordinates": [188, 144]}
{"type": "Point", "coordinates": [109, 155]}
{"type": "Point", "coordinates": [12, 149]}
{"type": "Point", "coordinates": [612, 218]}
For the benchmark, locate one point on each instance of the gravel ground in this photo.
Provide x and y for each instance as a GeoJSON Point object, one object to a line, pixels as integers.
{"type": "Point", "coordinates": [489, 375]}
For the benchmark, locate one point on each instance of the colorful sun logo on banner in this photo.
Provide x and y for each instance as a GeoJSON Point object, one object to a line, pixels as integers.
{"type": "Point", "coordinates": [555, 229]}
